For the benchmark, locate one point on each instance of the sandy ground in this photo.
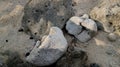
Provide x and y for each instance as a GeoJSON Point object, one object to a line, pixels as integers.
{"type": "Point", "coordinates": [99, 49]}
{"type": "Point", "coordinates": [102, 51]}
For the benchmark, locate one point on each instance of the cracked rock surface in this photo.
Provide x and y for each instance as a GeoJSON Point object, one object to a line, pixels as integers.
{"type": "Point", "coordinates": [82, 28]}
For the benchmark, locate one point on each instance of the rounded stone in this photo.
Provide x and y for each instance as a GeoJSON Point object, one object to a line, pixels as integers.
{"type": "Point", "coordinates": [112, 37]}
{"type": "Point", "coordinates": [51, 49]}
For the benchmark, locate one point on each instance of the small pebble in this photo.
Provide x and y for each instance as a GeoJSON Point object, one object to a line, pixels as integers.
{"type": "Point", "coordinates": [112, 37]}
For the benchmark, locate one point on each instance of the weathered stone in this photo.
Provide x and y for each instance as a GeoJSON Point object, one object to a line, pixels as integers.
{"type": "Point", "coordinates": [84, 36]}
{"type": "Point", "coordinates": [112, 37]}
{"type": "Point", "coordinates": [89, 24]}
{"type": "Point", "coordinates": [82, 27]}
{"type": "Point", "coordinates": [51, 49]}
{"type": "Point", "coordinates": [73, 25]}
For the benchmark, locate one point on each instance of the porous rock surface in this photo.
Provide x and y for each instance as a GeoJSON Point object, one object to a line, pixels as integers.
{"type": "Point", "coordinates": [55, 12]}
{"type": "Point", "coordinates": [108, 13]}
{"type": "Point", "coordinates": [50, 50]}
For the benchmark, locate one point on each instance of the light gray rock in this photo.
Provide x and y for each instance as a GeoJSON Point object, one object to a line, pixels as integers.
{"type": "Point", "coordinates": [89, 24]}
{"type": "Point", "coordinates": [51, 49]}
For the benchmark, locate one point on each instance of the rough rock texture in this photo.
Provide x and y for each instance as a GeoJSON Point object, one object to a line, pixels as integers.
{"type": "Point", "coordinates": [51, 49]}
{"type": "Point", "coordinates": [108, 13]}
{"type": "Point", "coordinates": [82, 28]}
{"type": "Point", "coordinates": [83, 6]}
{"type": "Point", "coordinates": [55, 12]}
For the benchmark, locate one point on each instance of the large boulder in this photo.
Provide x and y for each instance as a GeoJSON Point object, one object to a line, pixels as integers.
{"type": "Point", "coordinates": [51, 49]}
{"type": "Point", "coordinates": [82, 27]}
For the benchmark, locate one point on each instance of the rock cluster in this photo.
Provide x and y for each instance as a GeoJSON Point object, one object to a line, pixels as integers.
{"type": "Point", "coordinates": [82, 28]}
{"type": "Point", "coordinates": [52, 47]}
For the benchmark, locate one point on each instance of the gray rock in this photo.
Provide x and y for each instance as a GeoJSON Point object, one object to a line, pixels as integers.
{"type": "Point", "coordinates": [112, 37]}
{"type": "Point", "coordinates": [84, 36]}
{"type": "Point", "coordinates": [82, 27]}
{"type": "Point", "coordinates": [51, 49]}
{"type": "Point", "coordinates": [73, 25]}
{"type": "Point", "coordinates": [1, 63]}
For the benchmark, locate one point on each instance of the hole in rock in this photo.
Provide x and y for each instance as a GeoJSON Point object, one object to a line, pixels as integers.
{"type": "Point", "coordinates": [6, 40]}
{"type": "Point", "coordinates": [110, 23]}
{"type": "Point", "coordinates": [63, 19]}
{"type": "Point", "coordinates": [31, 37]}
{"type": "Point", "coordinates": [36, 11]}
{"type": "Point", "coordinates": [107, 15]}
{"type": "Point", "coordinates": [28, 21]}
{"type": "Point", "coordinates": [27, 54]}
{"type": "Point", "coordinates": [35, 33]}
{"type": "Point", "coordinates": [46, 5]}
{"type": "Point", "coordinates": [74, 4]}
{"type": "Point", "coordinates": [20, 30]}
{"type": "Point", "coordinates": [94, 65]}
